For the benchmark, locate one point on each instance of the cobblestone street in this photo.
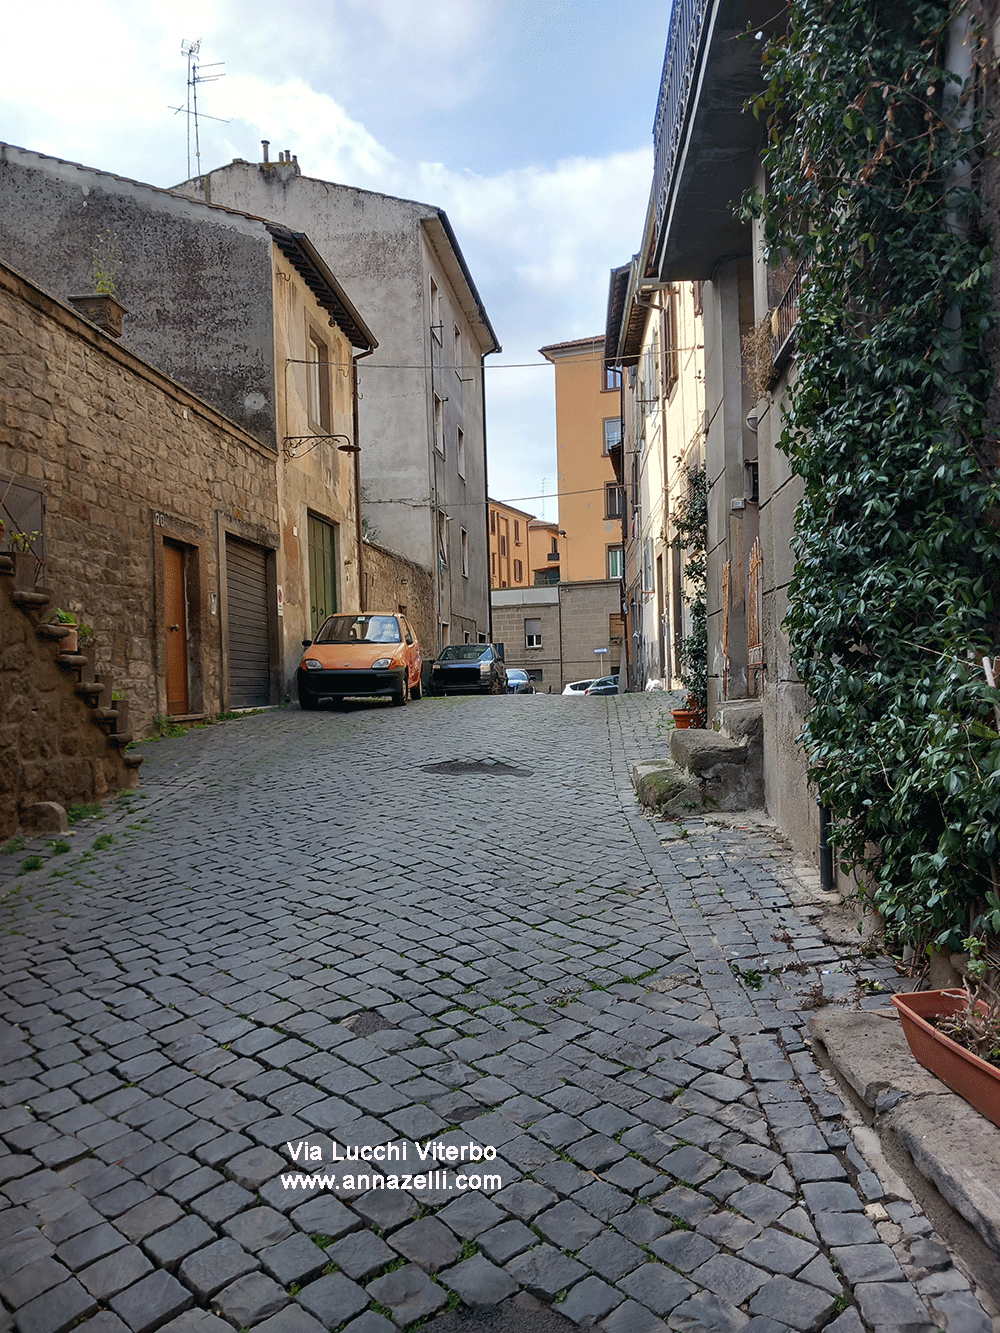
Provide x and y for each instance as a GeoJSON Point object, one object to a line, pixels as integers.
{"type": "Point", "coordinates": [309, 935]}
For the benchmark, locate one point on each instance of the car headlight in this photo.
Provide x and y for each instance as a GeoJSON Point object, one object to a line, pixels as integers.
{"type": "Point", "coordinates": [311, 664]}
{"type": "Point", "coordinates": [382, 662]}
{"type": "Point", "coordinates": [484, 668]}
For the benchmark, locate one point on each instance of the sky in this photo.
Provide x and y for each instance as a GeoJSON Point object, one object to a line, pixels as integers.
{"type": "Point", "coordinates": [528, 121]}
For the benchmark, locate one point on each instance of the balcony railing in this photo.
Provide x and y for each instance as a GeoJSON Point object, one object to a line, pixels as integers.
{"type": "Point", "coordinates": [785, 316]}
{"type": "Point", "coordinates": [686, 24]}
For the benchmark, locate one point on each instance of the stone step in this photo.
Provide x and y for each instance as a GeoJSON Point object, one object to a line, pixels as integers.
{"type": "Point", "coordinates": [48, 630]}
{"type": "Point", "coordinates": [30, 601]}
{"type": "Point", "coordinates": [89, 688]}
{"type": "Point", "coordinates": [73, 661]}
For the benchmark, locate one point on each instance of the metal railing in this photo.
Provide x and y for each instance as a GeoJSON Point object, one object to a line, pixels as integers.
{"type": "Point", "coordinates": [686, 24]}
{"type": "Point", "coordinates": [785, 315]}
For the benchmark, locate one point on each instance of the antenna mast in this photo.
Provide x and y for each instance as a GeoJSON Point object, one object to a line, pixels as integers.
{"type": "Point", "coordinates": [194, 77]}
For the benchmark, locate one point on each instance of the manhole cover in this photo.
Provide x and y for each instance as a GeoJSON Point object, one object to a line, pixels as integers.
{"type": "Point", "coordinates": [364, 1023]}
{"type": "Point", "coordinates": [460, 768]}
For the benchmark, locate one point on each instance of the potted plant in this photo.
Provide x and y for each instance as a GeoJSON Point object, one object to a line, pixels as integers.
{"type": "Point", "coordinates": [101, 307]}
{"type": "Point", "coordinates": [70, 641]}
{"type": "Point", "coordinates": [688, 716]}
{"type": "Point", "coordinates": [956, 1034]}
{"type": "Point", "coordinates": [120, 704]}
{"type": "Point", "coordinates": [25, 560]}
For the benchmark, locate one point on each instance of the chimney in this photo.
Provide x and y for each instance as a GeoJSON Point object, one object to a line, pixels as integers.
{"type": "Point", "coordinates": [265, 144]}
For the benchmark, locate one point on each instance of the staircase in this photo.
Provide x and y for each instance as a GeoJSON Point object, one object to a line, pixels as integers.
{"type": "Point", "coordinates": [709, 770]}
{"type": "Point", "coordinates": [63, 737]}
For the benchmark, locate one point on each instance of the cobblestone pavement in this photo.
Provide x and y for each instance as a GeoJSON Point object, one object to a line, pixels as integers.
{"type": "Point", "coordinates": [303, 940]}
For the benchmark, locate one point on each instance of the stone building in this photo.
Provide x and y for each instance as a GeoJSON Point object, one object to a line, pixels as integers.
{"type": "Point", "coordinates": [422, 410]}
{"type": "Point", "coordinates": [131, 471]}
{"type": "Point", "coordinates": [564, 632]}
{"type": "Point", "coordinates": [246, 315]}
{"type": "Point", "coordinates": [653, 334]}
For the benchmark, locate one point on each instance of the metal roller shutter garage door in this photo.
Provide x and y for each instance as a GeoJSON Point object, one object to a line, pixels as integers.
{"type": "Point", "coordinates": [249, 658]}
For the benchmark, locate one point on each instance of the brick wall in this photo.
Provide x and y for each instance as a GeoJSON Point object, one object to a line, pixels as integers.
{"type": "Point", "coordinates": [126, 459]}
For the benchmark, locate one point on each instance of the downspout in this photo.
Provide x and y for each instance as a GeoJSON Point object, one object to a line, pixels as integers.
{"type": "Point", "coordinates": [486, 506]}
{"type": "Point", "coordinates": [356, 451]}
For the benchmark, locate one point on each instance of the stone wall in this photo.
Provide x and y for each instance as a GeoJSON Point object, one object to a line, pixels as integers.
{"type": "Point", "coordinates": [510, 610]}
{"type": "Point", "coordinates": [587, 609]}
{"type": "Point", "coordinates": [127, 460]}
{"type": "Point", "coordinates": [393, 583]}
{"type": "Point", "coordinates": [51, 746]}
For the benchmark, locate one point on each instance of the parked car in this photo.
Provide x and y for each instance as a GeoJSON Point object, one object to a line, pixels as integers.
{"type": "Point", "coordinates": [577, 688]}
{"type": "Point", "coordinates": [360, 655]}
{"type": "Point", "coordinates": [468, 666]}
{"type": "Point", "coordinates": [519, 682]}
{"type": "Point", "coordinates": [606, 685]}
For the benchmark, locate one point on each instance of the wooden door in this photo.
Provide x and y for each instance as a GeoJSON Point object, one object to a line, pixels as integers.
{"type": "Point", "coordinates": [175, 628]}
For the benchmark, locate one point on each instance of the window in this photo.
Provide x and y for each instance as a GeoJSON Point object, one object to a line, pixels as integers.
{"type": "Point", "coordinates": [518, 572]}
{"type": "Point", "coordinates": [493, 566]}
{"type": "Point", "coordinates": [435, 311]}
{"type": "Point", "coordinates": [468, 637]}
{"type": "Point", "coordinates": [493, 522]}
{"type": "Point", "coordinates": [461, 460]}
{"type": "Point", "coordinates": [465, 554]}
{"type": "Point", "coordinates": [616, 629]}
{"type": "Point", "coordinates": [612, 433]}
{"type": "Point", "coordinates": [616, 562]}
{"type": "Point", "coordinates": [612, 500]}
{"type": "Point", "coordinates": [517, 532]}
{"type": "Point", "coordinates": [503, 544]}
{"type": "Point", "coordinates": [612, 378]}
{"type": "Point", "coordinates": [445, 634]}
{"type": "Point", "coordinates": [533, 633]}
{"type": "Point", "coordinates": [458, 351]}
{"type": "Point", "coordinates": [318, 384]}
{"type": "Point", "coordinates": [443, 521]}
{"type": "Point", "coordinates": [439, 425]}
{"type": "Point", "coordinates": [671, 355]}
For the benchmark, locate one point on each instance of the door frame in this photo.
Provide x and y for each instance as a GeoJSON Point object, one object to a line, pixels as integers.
{"type": "Point", "coordinates": [191, 539]}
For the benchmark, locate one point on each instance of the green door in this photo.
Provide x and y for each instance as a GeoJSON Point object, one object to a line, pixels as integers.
{"type": "Point", "coordinates": [322, 571]}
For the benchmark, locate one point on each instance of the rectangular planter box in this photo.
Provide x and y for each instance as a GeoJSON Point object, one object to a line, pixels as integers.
{"type": "Point", "coordinates": [976, 1080]}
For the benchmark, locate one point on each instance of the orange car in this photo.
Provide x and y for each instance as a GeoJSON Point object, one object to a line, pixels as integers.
{"type": "Point", "coordinates": [366, 654]}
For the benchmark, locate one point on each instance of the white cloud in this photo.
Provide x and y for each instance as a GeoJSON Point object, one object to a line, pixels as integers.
{"type": "Point", "coordinates": [539, 240]}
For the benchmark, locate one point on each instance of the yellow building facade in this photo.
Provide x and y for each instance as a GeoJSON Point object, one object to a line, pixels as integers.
{"type": "Point", "coordinates": [588, 429]}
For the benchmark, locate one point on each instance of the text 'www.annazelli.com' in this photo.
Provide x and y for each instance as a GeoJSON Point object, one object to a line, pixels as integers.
{"type": "Point", "coordinates": [438, 1156]}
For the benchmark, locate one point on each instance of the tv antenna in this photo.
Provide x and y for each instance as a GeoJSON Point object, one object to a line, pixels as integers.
{"type": "Point", "coordinates": [194, 77]}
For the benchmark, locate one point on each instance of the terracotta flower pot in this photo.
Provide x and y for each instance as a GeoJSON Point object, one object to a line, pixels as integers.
{"type": "Point", "coordinates": [684, 718]}
{"type": "Point", "coordinates": [71, 641]}
{"type": "Point", "coordinates": [972, 1078]}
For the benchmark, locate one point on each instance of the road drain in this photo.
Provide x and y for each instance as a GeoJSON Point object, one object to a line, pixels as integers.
{"type": "Point", "coordinates": [460, 768]}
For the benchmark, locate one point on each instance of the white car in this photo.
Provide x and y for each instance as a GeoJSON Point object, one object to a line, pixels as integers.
{"type": "Point", "coordinates": [577, 688]}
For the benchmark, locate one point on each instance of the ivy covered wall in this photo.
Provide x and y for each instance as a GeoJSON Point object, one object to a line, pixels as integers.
{"type": "Point", "coordinates": [876, 174]}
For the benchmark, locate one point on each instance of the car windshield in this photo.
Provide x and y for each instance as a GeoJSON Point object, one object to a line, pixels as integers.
{"type": "Point", "coordinates": [463, 652]}
{"type": "Point", "coordinates": [517, 675]}
{"type": "Point", "coordinates": [360, 629]}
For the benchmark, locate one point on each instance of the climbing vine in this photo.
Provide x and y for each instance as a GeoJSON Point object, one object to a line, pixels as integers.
{"type": "Point", "coordinates": [872, 160]}
{"type": "Point", "coordinates": [691, 536]}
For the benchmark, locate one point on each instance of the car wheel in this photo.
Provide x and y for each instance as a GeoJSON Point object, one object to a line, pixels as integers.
{"type": "Point", "coordinates": [497, 686]}
{"type": "Point", "coordinates": [402, 694]}
{"type": "Point", "coordinates": [307, 703]}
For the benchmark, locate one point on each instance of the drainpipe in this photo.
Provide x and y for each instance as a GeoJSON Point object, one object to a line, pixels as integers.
{"type": "Point", "coordinates": [826, 881]}
{"type": "Point", "coordinates": [486, 507]}
{"type": "Point", "coordinates": [356, 451]}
